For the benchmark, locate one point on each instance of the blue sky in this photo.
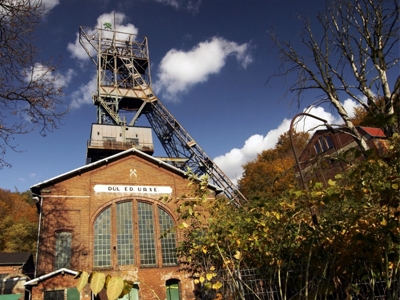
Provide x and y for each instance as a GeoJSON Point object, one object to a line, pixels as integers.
{"type": "Point", "coordinates": [210, 60]}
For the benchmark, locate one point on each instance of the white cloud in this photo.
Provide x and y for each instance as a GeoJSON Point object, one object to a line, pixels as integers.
{"type": "Point", "coordinates": [349, 106]}
{"type": "Point", "coordinates": [84, 94]}
{"type": "Point", "coordinates": [180, 70]}
{"type": "Point", "coordinates": [41, 72]}
{"type": "Point", "coordinates": [77, 50]}
{"type": "Point", "coordinates": [114, 18]}
{"type": "Point", "coordinates": [191, 5]}
{"type": "Point", "coordinates": [231, 163]}
{"type": "Point", "coordinates": [50, 4]}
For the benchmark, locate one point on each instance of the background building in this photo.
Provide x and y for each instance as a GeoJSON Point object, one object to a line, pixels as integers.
{"type": "Point", "coordinates": [15, 270]}
{"type": "Point", "coordinates": [327, 153]}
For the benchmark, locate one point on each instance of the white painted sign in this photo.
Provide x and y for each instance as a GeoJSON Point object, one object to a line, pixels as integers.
{"type": "Point", "coordinates": [104, 188]}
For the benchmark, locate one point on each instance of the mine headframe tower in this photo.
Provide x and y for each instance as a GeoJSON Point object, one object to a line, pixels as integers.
{"type": "Point", "coordinates": [124, 87]}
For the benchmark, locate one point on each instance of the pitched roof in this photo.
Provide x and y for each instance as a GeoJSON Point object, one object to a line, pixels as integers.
{"type": "Point", "coordinates": [62, 271]}
{"type": "Point", "coordinates": [16, 258]}
{"type": "Point", "coordinates": [374, 132]}
{"type": "Point", "coordinates": [105, 161]}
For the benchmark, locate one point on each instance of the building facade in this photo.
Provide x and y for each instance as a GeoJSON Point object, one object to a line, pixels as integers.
{"type": "Point", "coordinates": [109, 216]}
{"type": "Point", "coordinates": [325, 154]}
{"type": "Point", "coordinates": [15, 270]}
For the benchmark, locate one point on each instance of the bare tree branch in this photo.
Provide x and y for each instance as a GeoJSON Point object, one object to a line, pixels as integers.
{"type": "Point", "coordinates": [350, 55]}
{"type": "Point", "coordinates": [30, 94]}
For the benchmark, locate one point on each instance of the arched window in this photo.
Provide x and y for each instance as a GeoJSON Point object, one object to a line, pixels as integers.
{"type": "Point", "coordinates": [128, 233]}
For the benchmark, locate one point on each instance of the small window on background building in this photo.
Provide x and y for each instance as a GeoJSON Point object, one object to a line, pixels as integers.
{"type": "Point", "coordinates": [63, 250]}
{"type": "Point", "coordinates": [172, 289]}
{"type": "Point", "coordinates": [54, 295]}
{"type": "Point", "coordinates": [324, 146]}
{"type": "Point", "coordinates": [317, 147]}
{"type": "Point", "coordinates": [329, 142]}
{"type": "Point", "coordinates": [71, 293]}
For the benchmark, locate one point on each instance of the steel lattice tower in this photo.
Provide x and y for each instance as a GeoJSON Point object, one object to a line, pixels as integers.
{"type": "Point", "coordinates": [124, 85]}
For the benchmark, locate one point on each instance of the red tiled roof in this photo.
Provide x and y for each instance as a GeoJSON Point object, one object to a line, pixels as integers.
{"type": "Point", "coordinates": [374, 132]}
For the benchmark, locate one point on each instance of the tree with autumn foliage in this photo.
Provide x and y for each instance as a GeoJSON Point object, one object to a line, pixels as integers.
{"type": "Point", "coordinates": [19, 222]}
{"type": "Point", "coordinates": [351, 251]}
{"type": "Point", "coordinates": [363, 117]}
{"type": "Point", "coordinates": [272, 172]}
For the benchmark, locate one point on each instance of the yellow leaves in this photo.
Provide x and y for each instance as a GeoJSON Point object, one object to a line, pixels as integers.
{"type": "Point", "coordinates": [183, 225]}
{"type": "Point", "coordinates": [115, 286]}
{"type": "Point", "coordinates": [237, 255]}
{"type": "Point", "coordinates": [82, 280]}
{"type": "Point", "coordinates": [206, 279]}
{"type": "Point", "coordinates": [217, 285]}
{"type": "Point", "coordinates": [383, 222]}
{"type": "Point", "coordinates": [97, 281]}
{"type": "Point", "coordinates": [287, 206]}
{"type": "Point", "coordinates": [128, 286]}
{"type": "Point", "coordinates": [204, 249]}
{"type": "Point", "coordinates": [210, 276]}
{"type": "Point", "coordinates": [297, 193]}
{"type": "Point", "coordinates": [277, 215]}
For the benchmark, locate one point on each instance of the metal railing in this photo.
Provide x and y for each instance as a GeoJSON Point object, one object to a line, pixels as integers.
{"type": "Point", "coordinates": [116, 145]}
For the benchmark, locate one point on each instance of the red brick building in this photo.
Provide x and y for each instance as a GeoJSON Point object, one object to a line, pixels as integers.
{"type": "Point", "coordinates": [323, 158]}
{"type": "Point", "coordinates": [109, 216]}
{"type": "Point", "coordinates": [15, 270]}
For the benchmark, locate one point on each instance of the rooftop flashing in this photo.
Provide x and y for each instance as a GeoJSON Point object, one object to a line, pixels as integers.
{"type": "Point", "coordinates": [48, 275]}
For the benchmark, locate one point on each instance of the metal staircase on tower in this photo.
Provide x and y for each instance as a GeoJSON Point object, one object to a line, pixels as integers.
{"type": "Point", "coordinates": [124, 90]}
